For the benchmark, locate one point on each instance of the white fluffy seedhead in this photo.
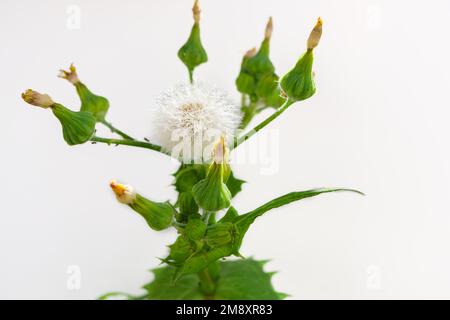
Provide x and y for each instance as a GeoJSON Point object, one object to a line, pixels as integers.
{"type": "Point", "coordinates": [191, 118]}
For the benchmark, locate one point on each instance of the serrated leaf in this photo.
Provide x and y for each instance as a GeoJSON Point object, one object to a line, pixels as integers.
{"type": "Point", "coordinates": [244, 221]}
{"type": "Point", "coordinates": [244, 280]}
{"type": "Point", "coordinates": [238, 280]}
{"type": "Point", "coordinates": [162, 287]}
{"type": "Point", "coordinates": [230, 216]}
{"type": "Point", "coordinates": [234, 184]}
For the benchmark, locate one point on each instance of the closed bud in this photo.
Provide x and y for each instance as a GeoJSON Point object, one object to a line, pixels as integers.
{"type": "Point", "coordinates": [159, 215]}
{"type": "Point", "coordinates": [77, 127]}
{"type": "Point", "coordinates": [97, 105]}
{"type": "Point", "coordinates": [220, 234]}
{"type": "Point", "coordinates": [192, 53]}
{"type": "Point", "coordinates": [211, 193]}
{"type": "Point", "coordinates": [298, 84]}
{"type": "Point", "coordinates": [257, 76]}
{"type": "Point", "coordinates": [195, 228]}
{"type": "Point", "coordinates": [187, 204]}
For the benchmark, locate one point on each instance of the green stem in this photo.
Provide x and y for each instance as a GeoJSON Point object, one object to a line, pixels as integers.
{"type": "Point", "coordinates": [191, 76]}
{"type": "Point", "coordinates": [275, 115]}
{"type": "Point", "coordinates": [207, 284]}
{"type": "Point", "coordinates": [133, 143]}
{"type": "Point", "coordinates": [115, 130]}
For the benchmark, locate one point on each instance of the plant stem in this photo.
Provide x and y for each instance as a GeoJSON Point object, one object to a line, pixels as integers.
{"type": "Point", "coordinates": [133, 143]}
{"type": "Point", "coordinates": [264, 123]}
{"type": "Point", "coordinates": [207, 284]}
{"type": "Point", "coordinates": [191, 76]}
{"type": "Point", "coordinates": [115, 130]}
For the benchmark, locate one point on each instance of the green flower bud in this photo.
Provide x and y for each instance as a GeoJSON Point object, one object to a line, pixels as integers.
{"type": "Point", "coordinates": [267, 84]}
{"type": "Point", "coordinates": [211, 193]}
{"type": "Point", "coordinates": [245, 83]}
{"type": "Point", "coordinates": [186, 204]}
{"type": "Point", "coordinates": [276, 99]}
{"type": "Point", "coordinates": [192, 53]}
{"type": "Point", "coordinates": [220, 234]}
{"type": "Point", "coordinates": [195, 228]}
{"type": "Point", "coordinates": [78, 127]}
{"type": "Point", "coordinates": [90, 102]}
{"type": "Point", "coordinates": [298, 84]}
{"type": "Point", "coordinates": [158, 215]}
{"type": "Point", "coordinates": [257, 77]}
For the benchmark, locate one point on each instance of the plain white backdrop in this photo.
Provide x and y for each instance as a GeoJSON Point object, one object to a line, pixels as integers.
{"type": "Point", "coordinates": [378, 123]}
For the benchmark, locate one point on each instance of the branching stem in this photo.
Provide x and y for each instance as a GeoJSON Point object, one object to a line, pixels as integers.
{"type": "Point", "coordinates": [264, 123]}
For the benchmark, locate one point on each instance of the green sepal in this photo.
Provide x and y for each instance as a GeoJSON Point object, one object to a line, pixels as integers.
{"type": "Point", "coordinates": [159, 215]}
{"type": "Point", "coordinates": [97, 105]}
{"type": "Point", "coordinates": [298, 84]}
{"type": "Point", "coordinates": [192, 53]}
{"type": "Point", "coordinates": [211, 193]}
{"type": "Point", "coordinates": [78, 127]}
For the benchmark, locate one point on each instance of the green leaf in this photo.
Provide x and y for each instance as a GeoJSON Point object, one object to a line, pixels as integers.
{"type": "Point", "coordinates": [234, 184]}
{"type": "Point", "coordinates": [244, 221]}
{"type": "Point", "coordinates": [240, 279]}
{"type": "Point", "coordinates": [162, 287]}
{"type": "Point", "coordinates": [230, 216]}
{"type": "Point", "coordinates": [245, 280]}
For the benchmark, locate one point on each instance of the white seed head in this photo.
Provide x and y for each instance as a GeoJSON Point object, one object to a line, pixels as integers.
{"type": "Point", "coordinates": [124, 193]}
{"type": "Point", "coordinates": [190, 119]}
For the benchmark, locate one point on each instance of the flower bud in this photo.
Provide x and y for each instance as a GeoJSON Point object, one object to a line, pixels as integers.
{"type": "Point", "coordinates": [78, 127]}
{"type": "Point", "coordinates": [97, 105]}
{"type": "Point", "coordinates": [187, 204]}
{"type": "Point", "coordinates": [192, 53]}
{"type": "Point", "coordinates": [158, 215]}
{"type": "Point", "coordinates": [195, 228]}
{"type": "Point", "coordinates": [257, 76]}
{"type": "Point", "coordinates": [220, 234]}
{"type": "Point", "coordinates": [211, 193]}
{"type": "Point", "coordinates": [298, 84]}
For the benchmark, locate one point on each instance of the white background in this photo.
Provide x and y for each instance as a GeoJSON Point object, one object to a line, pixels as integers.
{"type": "Point", "coordinates": [378, 123]}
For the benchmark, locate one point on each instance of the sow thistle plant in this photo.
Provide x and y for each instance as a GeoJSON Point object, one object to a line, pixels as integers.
{"type": "Point", "coordinates": [197, 124]}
